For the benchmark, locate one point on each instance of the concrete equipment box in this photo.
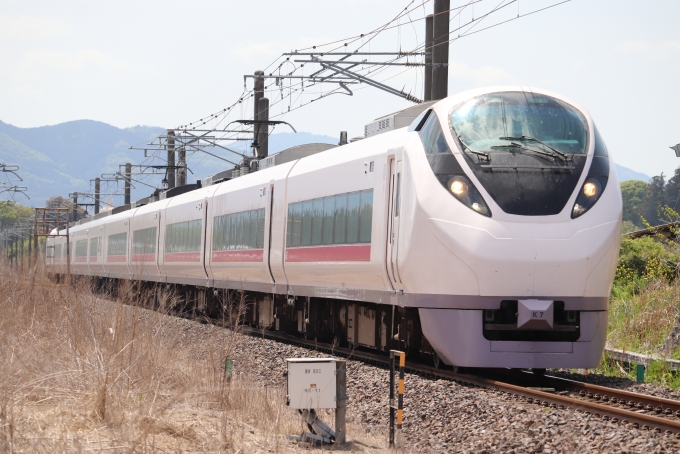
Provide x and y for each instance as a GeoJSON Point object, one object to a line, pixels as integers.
{"type": "Point", "coordinates": [311, 383]}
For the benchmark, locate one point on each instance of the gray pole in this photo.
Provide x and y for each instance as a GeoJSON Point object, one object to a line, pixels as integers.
{"type": "Point", "coordinates": [171, 158]}
{"type": "Point", "coordinates": [258, 92]}
{"type": "Point", "coordinates": [263, 136]}
{"type": "Point", "coordinates": [440, 52]}
{"type": "Point", "coordinates": [343, 138]}
{"type": "Point", "coordinates": [427, 88]}
{"type": "Point", "coordinates": [128, 174]}
{"type": "Point", "coordinates": [340, 402]}
{"type": "Point", "coordinates": [96, 195]}
{"type": "Point", "coordinates": [75, 206]}
{"type": "Point", "coordinates": [181, 166]}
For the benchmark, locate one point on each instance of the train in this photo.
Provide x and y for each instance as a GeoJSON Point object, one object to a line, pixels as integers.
{"type": "Point", "coordinates": [481, 229]}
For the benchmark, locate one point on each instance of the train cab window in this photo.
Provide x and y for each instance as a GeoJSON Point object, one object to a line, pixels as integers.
{"type": "Point", "coordinates": [432, 136]}
{"type": "Point", "coordinates": [57, 251]}
{"type": "Point", "coordinates": [144, 241]}
{"type": "Point", "coordinates": [600, 147]}
{"type": "Point", "coordinates": [183, 236]}
{"type": "Point", "coordinates": [238, 231]}
{"type": "Point", "coordinates": [117, 244]}
{"type": "Point", "coordinates": [339, 219]}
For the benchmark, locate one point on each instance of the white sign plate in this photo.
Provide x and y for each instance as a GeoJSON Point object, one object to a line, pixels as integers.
{"type": "Point", "coordinates": [311, 383]}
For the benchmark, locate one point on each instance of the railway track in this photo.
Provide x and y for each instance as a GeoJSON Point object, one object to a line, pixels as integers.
{"type": "Point", "coordinates": [639, 411]}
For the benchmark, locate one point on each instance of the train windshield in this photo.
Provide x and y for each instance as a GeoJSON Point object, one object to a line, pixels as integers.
{"type": "Point", "coordinates": [519, 121]}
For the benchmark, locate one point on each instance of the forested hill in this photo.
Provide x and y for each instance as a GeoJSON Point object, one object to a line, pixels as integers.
{"type": "Point", "coordinates": [649, 200]}
{"type": "Point", "coordinates": [60, 159]}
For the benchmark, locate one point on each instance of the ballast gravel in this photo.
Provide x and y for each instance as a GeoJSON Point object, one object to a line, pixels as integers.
{"type": "Point", "coordinates": [441, 415]}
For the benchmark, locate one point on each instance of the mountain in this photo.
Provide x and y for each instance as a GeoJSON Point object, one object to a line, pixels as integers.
{"type": "Point", "coordinates": [625, 174]}
{"type": "Point", "coordinates": [60, 159]}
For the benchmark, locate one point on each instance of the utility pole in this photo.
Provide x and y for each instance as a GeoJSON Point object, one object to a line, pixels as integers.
{"type": "Point", "coordinates": [128, 174]}
{"type": "Point", "coordinates": [429, 34]}
{"type": "Point", "coordinates": [263, 127]}
{"type": "Point", "coordinates": [75, 207]}
{"type": "Point", "coordinates": [440, 51]}
{"type": "Point", "coordinates": [96, 195]}
{"type": "Point", "coordinates": [171, 158]}
{"type": "Point", "coordinates": [181, 166]}
{"type": "Point", "coordinates": [258, 94]}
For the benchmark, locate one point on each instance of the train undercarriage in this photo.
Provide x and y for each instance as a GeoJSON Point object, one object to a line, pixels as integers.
{"type": "Point", "coordinates": [337, 322]}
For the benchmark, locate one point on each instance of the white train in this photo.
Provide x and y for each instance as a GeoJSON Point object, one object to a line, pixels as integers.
{"type": "Point", "coordinates": [486, 233]}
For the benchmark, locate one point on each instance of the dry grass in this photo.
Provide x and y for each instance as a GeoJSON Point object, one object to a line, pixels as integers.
{"type": "Point", "coordinates": [639, 322]}
{"type": "Point", "coordinates": [83, 374]}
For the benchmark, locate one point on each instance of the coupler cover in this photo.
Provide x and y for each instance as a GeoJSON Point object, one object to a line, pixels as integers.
{"type": "Point", "coordinates": [535, 314]}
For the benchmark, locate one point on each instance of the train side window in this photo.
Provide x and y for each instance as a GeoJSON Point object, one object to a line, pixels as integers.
{"type": "Point", "coordinates": [81, 248]}
{"type": "Point", "coordinates": [183, 236]}
{"type": "Point", "coordinates": [328, 219]}
{"type": "Point", "coordinates": [366, 216]}
{"type": "Point", "coordinates": [353, 204]}
{"type": "Point", "coordinates": [94, 246]}
{"type": "Point", "coordinates": [339, 230]}
{"type": "Point", "coordinates": [432, 136]}
{"type": "Point", "coordinates": [117, 244]}
{"type": "Point", "coordinates": [317, 221]}
{"type": "Point", "coordinates": [307, 213]}
{"type": "Point", "coordinates": [144, 241]}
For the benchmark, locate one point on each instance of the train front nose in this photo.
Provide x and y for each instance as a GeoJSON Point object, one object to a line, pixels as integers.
{"type": "Point", "coordinates": [535, 260]}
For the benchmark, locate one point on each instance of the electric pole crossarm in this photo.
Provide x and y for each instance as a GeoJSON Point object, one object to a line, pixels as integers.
{"type": "Point", "coordinates": [404, 54]}
{"type": "Point", "coordinates": [372, 83]}
{"type": "Point", "coordinates": [215, 145]}
{"type": "Point", "coordinates": [262, 122]}
{"type": "Point", "coordinates": [372, 63]}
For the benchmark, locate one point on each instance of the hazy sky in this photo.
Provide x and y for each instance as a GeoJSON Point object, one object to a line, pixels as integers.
{"type": "Point", "coordinates": [166, 63]}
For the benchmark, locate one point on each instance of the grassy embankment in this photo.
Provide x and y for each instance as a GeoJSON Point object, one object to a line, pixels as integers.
{"type": "Point", "coordinates": [81, 373]}
{"type": "Point", "coordinates": [644, 307]}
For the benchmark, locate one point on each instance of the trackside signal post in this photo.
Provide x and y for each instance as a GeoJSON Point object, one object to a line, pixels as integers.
{"type": "Point", "coordinates": [396, 366]}
{"type": "Point", "coordinates": [315, 383]}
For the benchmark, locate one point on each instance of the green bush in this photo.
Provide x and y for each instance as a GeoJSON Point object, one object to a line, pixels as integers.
{"type": "Point", "coordinates": [645, 258]}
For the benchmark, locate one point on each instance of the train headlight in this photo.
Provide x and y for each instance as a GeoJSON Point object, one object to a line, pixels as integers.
{"type": "Point", "coordinates": [463, 189]}
{"type": "Point", "coordinates": [588, 195]}
{"type": "Point", "coordinates": [458, 187]}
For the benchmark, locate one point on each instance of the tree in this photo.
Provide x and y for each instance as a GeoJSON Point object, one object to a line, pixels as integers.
{"type": "Point", "coordinates": [12, 213]}
{"type": "Point", "coordinates": [633, 193]}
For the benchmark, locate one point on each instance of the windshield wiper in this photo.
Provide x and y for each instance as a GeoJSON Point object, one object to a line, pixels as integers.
{"type": "Point", "coordinates": [522, 147]}
{"type": "Point", "coordinates": [534, 139]}
{"type": "Point", "coordinates": [483, 155]}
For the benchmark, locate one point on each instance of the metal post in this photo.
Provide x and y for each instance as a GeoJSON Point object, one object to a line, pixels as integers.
{"type": "Point", "coordinates": [340, 402]}
{"type": "Point", "coordinates": [429, 30]}
{"type": "Point", "coordinates": [181, 166]}
{"type": "Point", "coordinates": [75, 207]}
{"type": "Point", "coordinates": [96, 195]}
{"type": "Point", "coordinates": [343, 138]}
{"type": "Point", "coordinates": [396, 440]}
{"type": "Point", "coordinates": [440, 51]}
{"type": "Point", "coordinates": [171, 158]}
{"type": "Point", "coordinates": [128, 174]}
{"type": "Point", "coordinates": [263, 130]}
{"type": "Point", "coordinates": [258, 93]}
{"type": "Point", "coordinates": [391, 402]}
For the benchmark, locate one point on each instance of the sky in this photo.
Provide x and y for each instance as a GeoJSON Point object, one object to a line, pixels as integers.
{"type": "Point", "coordinates": [168, 63]}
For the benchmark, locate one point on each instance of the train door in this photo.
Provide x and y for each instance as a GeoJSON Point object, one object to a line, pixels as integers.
{"type": "Point", "coordinates": [268, 229]}
{"type": "Point", "coordinates": [392, 249]}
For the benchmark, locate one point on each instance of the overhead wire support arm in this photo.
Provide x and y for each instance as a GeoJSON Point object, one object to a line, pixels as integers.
{"type": "Point", "coordinates": [370, 82]}
{"type": "Point", "coordinates": [373, 63]}
{"type": "Point", "coordinates": [403, 54]}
